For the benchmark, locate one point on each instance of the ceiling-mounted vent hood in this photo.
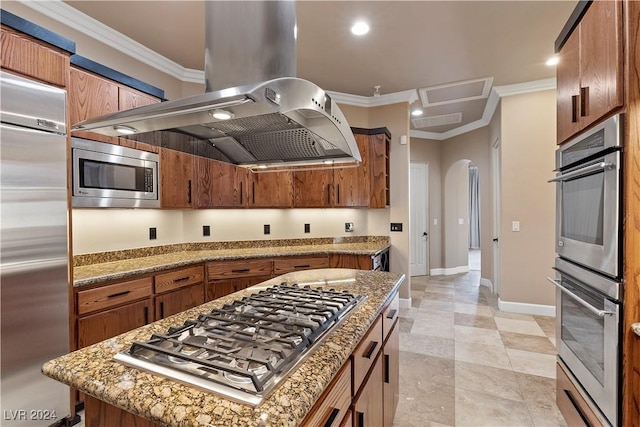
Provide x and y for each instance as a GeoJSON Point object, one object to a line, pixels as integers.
{"type": "Point", "coordinates": [253, 111]}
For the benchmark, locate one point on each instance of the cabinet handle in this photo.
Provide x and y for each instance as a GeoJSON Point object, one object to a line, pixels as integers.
{"type": "Point", "coordinates": [182, 279]}
{"type": "Point", "coordinates": [328, 193]}
{"type": "Point", "coordinates": [360, 419]}
{"type": "Point", "coordinates": [302, 266]}
{"type": "Point", "coordinates": [332, 417]}
{"type": "Point", "coordinates": [253, 193]}
{"type": "Point", "coordinates": [189, 192]}
{"type": "Point", "coordinates": [146, 315]}
{"type": "Point", "coordinates": [241, 270]}
{"type": "Point", "coordinates": [369, 352]}
{"type": "Point", "coordinates": [162, 310]}
{"type": "Point", "coordinates": [119, 294]}
{"type": "Point", "coordinates": [386, 368]}
{"type": "Point", "coordinates": [338, 192]}
{"type": "Point", "coordinates": [574, 109]}
{"type": "Point", "coordinates": [392, 314]}
{"type": "Point", "coordinates": [241, 195]}
{"type": "Point", "coordinates": [584, 101]}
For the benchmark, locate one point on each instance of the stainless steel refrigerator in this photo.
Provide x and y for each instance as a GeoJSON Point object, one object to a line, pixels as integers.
{"type": "Point", "coordinates": [34, 288]}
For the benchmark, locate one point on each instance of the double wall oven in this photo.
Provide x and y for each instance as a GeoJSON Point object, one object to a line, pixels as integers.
{"type": "Point", "coordinates": [589, 264]}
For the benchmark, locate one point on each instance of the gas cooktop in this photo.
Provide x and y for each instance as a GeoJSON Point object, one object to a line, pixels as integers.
{"type": "Point", "coordinates": [244, 349]}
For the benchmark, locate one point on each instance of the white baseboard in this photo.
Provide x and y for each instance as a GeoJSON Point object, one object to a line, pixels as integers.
{"type": "Point", "coordinates": [487, 283]}
{"type": "Point", "coordinates": [405, 303]}
{"type": "Point", "coordinates": [523, 308]}
{"type": "Point", "coordinates": [449, 271]}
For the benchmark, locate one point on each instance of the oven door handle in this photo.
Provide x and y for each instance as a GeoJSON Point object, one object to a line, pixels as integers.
{"type": "Point", "coordinates": [585, 304]}
{"type": "Point", "coordinates": [583, 171]}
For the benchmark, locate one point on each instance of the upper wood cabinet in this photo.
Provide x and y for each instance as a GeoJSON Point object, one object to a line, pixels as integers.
{"type": "Point", "coordinates": [219, 184]}
{"type": "Point", "coordinates": [176, 179]}
{"type": "Point", "coordinates": [92, 96]}
{"type": "Point", "coordinates": [270, 189]}
{"type": "Point", "coordinates": [31, 58]}
{"type": "Point", "coordinates": [589, 73]}
{"type": "Point", "coordinates": [366, 185]}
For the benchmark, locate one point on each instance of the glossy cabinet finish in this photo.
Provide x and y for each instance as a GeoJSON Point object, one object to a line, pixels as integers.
{"type": "Point", "coordinates": [219, 185]}
{"type": "Point", "coordinates": [270, 190]}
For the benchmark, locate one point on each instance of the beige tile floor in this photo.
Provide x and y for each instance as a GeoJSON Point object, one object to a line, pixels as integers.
{"type": "Point", "coordinates": [463, 362]}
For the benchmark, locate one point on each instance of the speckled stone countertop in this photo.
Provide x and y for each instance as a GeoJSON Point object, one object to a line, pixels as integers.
{"type": "Point", "coordinates": [635, 327]}
{"type": "Point", "coordinates": [122, 269]}
{"type": "Point", "coordinates": [92, 370]}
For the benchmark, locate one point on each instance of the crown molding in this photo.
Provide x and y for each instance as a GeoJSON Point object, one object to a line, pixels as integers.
{"type": "Point", "coordinates": [409, 96]}
{"type": "Point", "coordinates": [73, 18]}
{"type": "Point", "coordinates": [526, 87]}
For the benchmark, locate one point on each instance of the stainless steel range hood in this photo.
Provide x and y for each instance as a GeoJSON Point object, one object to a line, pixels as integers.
{"type": "Point", "coordinates": [254, 112]}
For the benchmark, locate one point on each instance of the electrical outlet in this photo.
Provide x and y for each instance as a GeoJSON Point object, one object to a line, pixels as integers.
{"type": "Point", "coordinates": [349, 227]}
{"type": "Point", "coordinates": [307, 228]}
{"type": "Point", "coordinates": [206, 230]}
{"type": "Point", "coordinates": [153, 233]}
{"type": "Point", "coordinates": [396, 226]}
{"type": "Point", "coordinates": [267, 229]}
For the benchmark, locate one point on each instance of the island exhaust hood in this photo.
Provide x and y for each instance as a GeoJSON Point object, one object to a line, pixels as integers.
{"type": "Point", "coordinates": [253, 111]}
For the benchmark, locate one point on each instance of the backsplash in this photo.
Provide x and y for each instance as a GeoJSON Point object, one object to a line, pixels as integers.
{"type": "Point", "coordinates": [113, 230]}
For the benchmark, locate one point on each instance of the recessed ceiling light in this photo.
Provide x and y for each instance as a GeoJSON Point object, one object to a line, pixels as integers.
{"type": "Point", "coordinates": [360, 28]}
{"type": "Point", "coordinates": [416, 112]}
{"type": "Point", "coordinates": [552, 61]}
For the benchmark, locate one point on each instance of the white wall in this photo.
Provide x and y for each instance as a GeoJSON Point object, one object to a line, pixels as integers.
{"type": "Point", "coordinates": [102, 230]}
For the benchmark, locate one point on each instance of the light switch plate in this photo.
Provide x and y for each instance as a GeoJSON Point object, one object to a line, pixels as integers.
{"type": "Point", "coordinates": [515, 226]}
{"type": "Point", "coordinates": [396, 226]}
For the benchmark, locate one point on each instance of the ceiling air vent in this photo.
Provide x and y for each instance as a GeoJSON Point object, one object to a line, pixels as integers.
{"type": "Point", "coordinates": [431, 121]}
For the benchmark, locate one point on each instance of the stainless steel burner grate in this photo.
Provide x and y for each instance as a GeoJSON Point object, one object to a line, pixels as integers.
{"type": "Point", "coordinates": [245, 348]}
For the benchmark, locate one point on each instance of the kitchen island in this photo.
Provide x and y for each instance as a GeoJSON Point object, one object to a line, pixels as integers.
{"type": "Point", "coordinates": [93, 370]}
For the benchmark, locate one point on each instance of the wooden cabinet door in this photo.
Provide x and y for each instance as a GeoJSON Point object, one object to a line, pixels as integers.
{"type": "Point", "coordinates": [313, 188]}
{"type": "Point", "coordinates": [379, 170]}
{"type": "Point", "coordinates": [367, 409]}
{"type": "Point", "coordinates": [359, 262]}
{"type": "Point", "coordinates": [568, 87]}
{"type": "Point", "coordinates": [220, 288]}
{"type": "Point", "coordinates": [107, 324]}
{"type": "Point", "coordinates": [352, 184]}
{"type": "Point", "coordinates": [91, 96]}
{"type": "Point", "coordinates": [176, 179]}
{"type": "Point", "coordinates": [130, 98]}
{"type": "Point", "coordinates": [270, 189]}
{"type": "Point", "coordinates": [601, 60]}
{"type": "Point", "coordinates": [391, 375]}
{"type": "Point", "coordinates": [219, 184]}
{"type": "Point", "coordinates": [23, 55]}
{"type": "Point", "coordinates": [179, 300]}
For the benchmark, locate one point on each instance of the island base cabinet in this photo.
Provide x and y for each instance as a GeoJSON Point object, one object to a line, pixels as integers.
{"type": "Point", "coordinates": [391, 375]}
{"type": "Point", "coordinates": [367, 410]}
{"type": "Point", "coordinates": [101, 414]}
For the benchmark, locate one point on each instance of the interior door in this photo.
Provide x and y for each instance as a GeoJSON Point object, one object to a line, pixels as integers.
{"type": "Point", "coordinates": [496, 159]}
{"type": "Point", "coordinates": [419, 219]}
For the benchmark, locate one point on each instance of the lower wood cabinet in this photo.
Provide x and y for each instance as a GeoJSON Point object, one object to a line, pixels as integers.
{"type": "Point", "coordinates": [391, 375]}
{"type": "Point", "coordinates": [227, 277]}
{"type": "Point", "coordinates": [367, 407]}
{"type": "Point", "coordinates": [359, 262]}
{"type": "Point", "coordinates": [333, 406]}
{"type": "Point", "coordinates": [291, 264]}
{"type": "Point", "coordinates": [107, 324]}
{"type": "Point", "coordinates": [101, 414]}
{"type": "Point", "coordinates": [574, 408]}
{"type": "Point", "coordinates": [178, 301]}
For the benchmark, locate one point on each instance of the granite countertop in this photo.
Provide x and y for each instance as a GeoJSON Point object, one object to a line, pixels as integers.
{"type": "Point", "coordinates": [115, 270]}
{"type": "Point", "coordinates": [92, 370]}
{"type": "Point", "coordinates": [635, 327]}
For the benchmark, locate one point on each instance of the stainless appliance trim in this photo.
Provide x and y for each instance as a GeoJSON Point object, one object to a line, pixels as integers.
{"type": "Point", "coordinates": [603, 284]}
{"type": "Point", "coordinates": [585, 304]}
{"type": "Point", "coordinates": [603, 258]}
{"type": "Point", "coordinates": [605, 396]}
{"type": "Point", "coordinates": [34, 282]}
{"type": "Point", "coordinates": [583, 171]}
{"type": "Point", "coordinates": [109, 198]}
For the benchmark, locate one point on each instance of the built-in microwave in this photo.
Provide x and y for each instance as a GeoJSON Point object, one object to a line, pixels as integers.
{"type": "Point", "coordinates": [588, 198]}
{"type": "Point", "coordinates": [112, 176]}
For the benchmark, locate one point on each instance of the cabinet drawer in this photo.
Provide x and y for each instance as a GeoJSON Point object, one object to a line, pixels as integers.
{"type": "Point", "coordinates": [287, 265]}
{"type": "Point", "coordinates": [179, 279]}
{"type": "Point", "coordinates": [113, 295]}
{"type": "Point", "coordinates": [334, 404]}
{"type": "Point", "coordinates": [390, 315]}
{"type": "Point", "coordinates": [365, 354]}
{"type": "Point", "coordinates": [27, 57]}
{"type": "Point", "coordinates": [239, 268]}
{"type": "Point", "coordinates": [572, 405]}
